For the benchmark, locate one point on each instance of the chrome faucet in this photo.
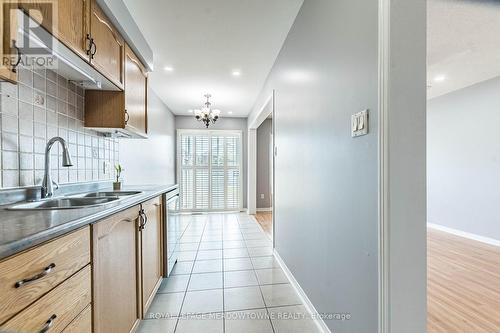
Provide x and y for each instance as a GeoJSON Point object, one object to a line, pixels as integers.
{"type": "Point", "coordinates": [47, 184]}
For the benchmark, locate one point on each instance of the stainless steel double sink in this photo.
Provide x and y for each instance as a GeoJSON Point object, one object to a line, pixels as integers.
{"type": "Point", "coordinates": [83, 200]}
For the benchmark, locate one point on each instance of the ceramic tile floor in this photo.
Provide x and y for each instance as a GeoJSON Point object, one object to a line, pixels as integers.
{"type": "Point", "coordinates": [226, 281]}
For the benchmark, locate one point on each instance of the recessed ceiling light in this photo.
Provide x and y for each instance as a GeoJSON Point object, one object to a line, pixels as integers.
{"type": "Point", "coordinates": [439, 78]}
{"type": "Point", "coordinates": [190, 111]}
{"type": "Point", "coordinates": [230, 112]}
{"type": "Point", "coordinates": [168, 68]}
{"type": "Point", "coordinates": [236, 73]}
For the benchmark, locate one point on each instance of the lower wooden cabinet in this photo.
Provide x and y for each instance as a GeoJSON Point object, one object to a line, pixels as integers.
{"type": "Point", "coordinates": [82, 323]}
{"type": "Point", "coordinates": [151, 251]}
{"type": "Point", "coordinates": [55, 310]}
{"type": "Point", "coordinates": [115, 285]}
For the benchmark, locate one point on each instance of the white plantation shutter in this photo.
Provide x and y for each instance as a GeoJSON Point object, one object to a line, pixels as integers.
{"type": "Point", "coordinates": [209, 170]}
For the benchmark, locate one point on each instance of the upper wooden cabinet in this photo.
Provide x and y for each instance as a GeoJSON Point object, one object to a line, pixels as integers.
{"type": "Point", "coordinates": [107, 51]}
{"type": "Point", "coordinates": [136, 86]}
{"type": "Point", "coordinates": [151, 250]}
{"type": "Point", "coordinates": [69, 21]}
{"type": "Point", "coordinates": [8, 53]}
{"type": "Point", "coordinates": [115, 294]}
{"type": "Point", "coordinates": [121, 112]}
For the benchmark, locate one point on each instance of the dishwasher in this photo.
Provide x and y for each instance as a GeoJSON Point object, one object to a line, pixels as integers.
{"type": "Point", "coordinates": [172, 233]}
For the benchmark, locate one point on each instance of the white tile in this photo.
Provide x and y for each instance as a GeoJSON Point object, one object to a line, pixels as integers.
{"type": "Point", "coordinates": [188, 247]}
{"type": "Point", "coordinates": [251, 321]}
{"type": "Point", "coordinates": [259, 243]}
{"type": "Point", "coordinates": [182, 267]}
{"type": "Point", "coordinates": [271, 276]}
{"type": "Point", "coordinates": [279, 295]}
{"type": "Point", "coordinates": [243, 298]}
{"type": "Point", "coordinates": [165, 305]}
{"type": "Point", "coordinates": [210, 245]}
{"type": "Point", "coordinates": [285, 320]}
{"type": "Point", "coordinates": [264, 262]}
{"type": "Point", "coordinates": [157, 326]}
{"type": "Point", "coordinates": [209, 254]}
{"type": "Point", "coordinates": [205, 281]}
{"type": "Point", "coordinates": [190, 239]}
{"type": "Point", "coordinates": [210, 323]}
{"type": "Point", "coordinates": [205, 301]}
{"type": "Point", "coordinates": [235, 253]}
{"type": "Point", "coordinates": [237, 264]}
{"type": "Point", "coordinates": [187, 256]}
{"type": "Point", "coordinates": [239, 279]}
{"type": "Point", "coordinates": [207, 266]}
{"type": "Point", "coordinates": [236, 244]}
{"type": "Point", "coordinates": [260, 251]}
{"type": "Point", "coordinates": [174, 284]}
{"type": "Point", "coordinates": [232, 236]}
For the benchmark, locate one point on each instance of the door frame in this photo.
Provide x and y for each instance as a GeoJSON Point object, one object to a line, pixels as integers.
{"type": "Point", "coordinates": [268, 108]}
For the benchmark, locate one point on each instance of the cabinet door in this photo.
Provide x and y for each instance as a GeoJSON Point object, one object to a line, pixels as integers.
{"type": "Point", "coordinates": [68, 21]}
{"type": "Point", "coordinates": [8, 54]}
{"type": "Point", "coordinates": [151, 251]}
{"type": "Point", "coordinates": [135, 92]}
{"type": "Point", "coordinates": [115, 273]}
{"type": "Point", "coordinates": [109, 46]}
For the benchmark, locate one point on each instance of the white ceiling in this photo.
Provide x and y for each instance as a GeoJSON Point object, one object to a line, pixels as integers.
{"type": "Point", "coordinates": [463, 43]}
{"type": "Point", "coordinates": [204, 41]}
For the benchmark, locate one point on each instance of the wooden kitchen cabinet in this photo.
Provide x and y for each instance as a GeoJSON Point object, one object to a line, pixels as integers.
{"type": "Point", "coordinates": [107, 53]}
{"type": "Point", "coordinates": [71, 26]}
{"type": "Point", "coordinates": [115, 284]}
{"type": "Point", "coordinates": [123, 112]}
{"type": "Point", "coordinates": [27, 276]}
{"type": "Point", "coordinates": [151, 250]}
{"type": "Point", "coordinates": [55, 310]}
{"type": "Point", "coordinates": [136, 87]}
{"type": "Point", "coordinates": [8, 53]}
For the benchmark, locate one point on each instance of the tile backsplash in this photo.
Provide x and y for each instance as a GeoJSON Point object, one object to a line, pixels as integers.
{"type": "Point", "coordinates": [43, 105]}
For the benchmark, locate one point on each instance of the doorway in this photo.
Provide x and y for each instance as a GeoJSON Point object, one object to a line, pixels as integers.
{"type": "Point", "coordinates": [261, 167]}
{"type": "Point", "coordinates": [264, 213]}
{"type": "Point", "coordinates": [463, 235]}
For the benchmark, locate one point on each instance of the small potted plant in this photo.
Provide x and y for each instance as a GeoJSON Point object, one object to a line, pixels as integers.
{"type": "Point", "coordinates": [117, 186]}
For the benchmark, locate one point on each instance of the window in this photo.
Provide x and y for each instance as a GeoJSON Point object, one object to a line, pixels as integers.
{"type": "Point", "coordinates": [209, 170]}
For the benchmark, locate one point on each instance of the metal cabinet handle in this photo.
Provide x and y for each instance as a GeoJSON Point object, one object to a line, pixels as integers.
{"type": "Point", "coordinates": [95, 49]}
{"type": "Point", "coordinates": [91, 41]}
{"type": "Point", "coordinates": [48, 324]}
{"type": "Point", "coordinates": [127, 117]}
{"type": "Point", "coordinates": [38, 276]}
{"type": "Point", "coordinates": [144, 219]}
{"type": "Point", "coordinates": [18, 51]}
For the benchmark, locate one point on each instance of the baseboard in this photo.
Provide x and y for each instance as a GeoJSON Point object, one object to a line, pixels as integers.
{"type": "Point", "coordinates": [266, 209]}
{"type": "Point", "coordinates": [482, 239]}
{"type": "Point", "coordinates": [305, 300]}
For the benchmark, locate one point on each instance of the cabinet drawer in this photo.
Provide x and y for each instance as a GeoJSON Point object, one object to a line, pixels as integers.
{"type": "Point", "coordinates": [82, 323]}
{"type": "Point", "coordinates": [27, 276]}
{"type": "Point", "coordinates": [59, 307]}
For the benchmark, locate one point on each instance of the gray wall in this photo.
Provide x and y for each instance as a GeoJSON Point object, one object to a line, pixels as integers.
{"type": "Point", "coordinates": [463, 161]}
{"type": "Point", "coordinates": [263, 163]}
{"type": "Point", "coordinates": [224, 123]}
{"type": "Point", "coordinates": [151, 161]}
{"type": "Point", "coordinates": [326, 182]}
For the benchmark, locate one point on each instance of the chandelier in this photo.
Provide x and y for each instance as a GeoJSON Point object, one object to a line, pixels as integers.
{"type": "Point", "coordinates": [206, 114]}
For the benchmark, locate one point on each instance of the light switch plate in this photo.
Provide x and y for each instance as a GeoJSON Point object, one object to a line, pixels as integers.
{"type": "Point", "coordinates": [359, 123]}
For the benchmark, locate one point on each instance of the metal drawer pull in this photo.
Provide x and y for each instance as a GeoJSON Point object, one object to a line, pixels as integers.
{"type": "Point", "coordinates": [40, 275]}
{"type": "Point", "coordinates": [48, 324]}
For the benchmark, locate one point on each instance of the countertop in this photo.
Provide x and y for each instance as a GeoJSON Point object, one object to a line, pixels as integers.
{"type": "Point", "coordinates": [20, 230]}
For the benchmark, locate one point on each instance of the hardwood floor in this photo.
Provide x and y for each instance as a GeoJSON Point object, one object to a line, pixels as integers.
{"type": "Point", "coordinates": [463, 285]}
{"type": "Point", "coordinates": [265, 219]}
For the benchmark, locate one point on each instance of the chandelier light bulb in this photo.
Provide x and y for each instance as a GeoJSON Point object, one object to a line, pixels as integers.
{"type": "Point", "coordinates": [206, 114]}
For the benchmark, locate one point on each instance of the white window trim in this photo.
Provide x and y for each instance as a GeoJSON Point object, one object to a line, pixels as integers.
{"type": "Point", "coordinates": [238, 133]}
